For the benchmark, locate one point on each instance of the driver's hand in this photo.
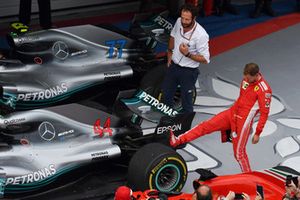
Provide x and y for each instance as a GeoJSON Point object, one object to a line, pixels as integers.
{"type": "Point", "coordinates": [255, 139]}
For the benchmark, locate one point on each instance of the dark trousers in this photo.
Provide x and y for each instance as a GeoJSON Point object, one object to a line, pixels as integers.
{"type": "Point", "coordinates": [44, 12]}
{"type": "Point", "coordinates": [185, 77]}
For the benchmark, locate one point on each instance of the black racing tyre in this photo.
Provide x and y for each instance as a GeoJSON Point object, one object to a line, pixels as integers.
{"type": "Point", "coordinates": [156, 166]}
{"type": "Point", "coordinates": [151, 83]}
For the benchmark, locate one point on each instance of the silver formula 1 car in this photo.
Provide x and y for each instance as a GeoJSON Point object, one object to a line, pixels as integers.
{"type": "Point", "coordinates": [91, 75]}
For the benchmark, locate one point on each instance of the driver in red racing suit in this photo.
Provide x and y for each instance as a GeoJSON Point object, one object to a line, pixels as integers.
{"type": "Point", "coordinates": [255, 96]}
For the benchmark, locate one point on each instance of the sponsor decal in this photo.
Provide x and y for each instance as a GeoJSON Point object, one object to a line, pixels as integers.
{"type": "Point", "coordinates": [28, 39]}
{"type": "Point", "coordinates": [60, 50]}
{"type": "Point", "coordinates": [175, 127]}
{"type": "Point", "coordinates": [99, 155]}
{"type": "Point", "coordinates": [268, 95]}
{"type": "Point", "coordinates": [11, 100]}
{"type": "Point", "coordinates": [256, 88]}
{"type": "Point", "coordinates": [47, 131]}
{"type": "Point", "coordinates": [19, 27]}
{"type": "Point", "coordinates": [112, 75]}
{"type": "Point", "coordinates": [159, 165]}
{"type": "Point", "coordinates": [267, 104]}
{"type": "Point", "coordinates": [136, 119]}
{"type": "Point", "coordinates": [13, 121]}
{"type": "Point", "coordinates": [44, 94]}
{"type": "Point", "coordinates": [2, 186]}
{"type": "Point", "coordinates": [32, 177]}
{"type": "Point", "coordinates": [157, 32]}
{"type": "Point", "coordinates": [38, 60]}
{"type": "Point", "coordinates": [115, 45]}
{"type": "Point", "coordinates": [163, 23]}
{"type": "Point", "coordinates": [147, 98]}
{"type": "Point", "coordinates": [77, 53]}
{"type": "Point", "coordinates": [65, 133]}
{"type": "Point", "coordinates": [245, 85]}
{"type": "Point", "coordinates": [24, 142]}
{"type": "Point", "coordinates": [106, 128]}
{"type": "Point", "coordinates": [144, 109]}
{"type": "Point", "coordinates": [234, 135]}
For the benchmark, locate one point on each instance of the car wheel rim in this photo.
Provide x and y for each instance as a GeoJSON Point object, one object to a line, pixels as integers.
{"type": "Point", "coordinates": [167, 178]}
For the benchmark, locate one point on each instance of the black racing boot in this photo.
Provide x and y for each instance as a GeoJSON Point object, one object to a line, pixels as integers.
{"type": "Point", "coordinates": [259, 4]}
{"type": "Point", "coordinates": [268, 8]}
{"type": "Point", "coordinates": [230, 8]}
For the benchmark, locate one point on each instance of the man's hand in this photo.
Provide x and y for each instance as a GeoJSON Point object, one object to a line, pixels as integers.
{"type": "Point", "coordinates": [246, 196]}
{"type": "Point", "coordinates": [255, 139]}
{"type": "Point", "coordinates": [174, 141]}
{"type": "Point", "coordinates": [230, 195]}
{"type": "Point", "coordinates": [169, 54]}
{"type": "Point", "coordinates": [291, 188]}
{"type": "Point", "coordinates": [184, 49]}
{"type": "Point", "coordinates": [258, 196]}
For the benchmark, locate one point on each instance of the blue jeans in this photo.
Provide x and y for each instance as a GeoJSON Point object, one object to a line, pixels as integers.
{"type": "Point", "coordinates": [185, 77]}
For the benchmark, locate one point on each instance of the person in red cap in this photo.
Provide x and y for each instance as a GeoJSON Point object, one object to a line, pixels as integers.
{"type": "Point", "coordinates": [123, 193]}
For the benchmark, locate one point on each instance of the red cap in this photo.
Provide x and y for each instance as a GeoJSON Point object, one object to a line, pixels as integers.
{"type": "Point", "coordinates": [123, 193]}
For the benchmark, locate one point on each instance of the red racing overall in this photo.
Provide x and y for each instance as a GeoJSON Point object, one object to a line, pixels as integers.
{"type": "Point", "coordinates": [254, 97]}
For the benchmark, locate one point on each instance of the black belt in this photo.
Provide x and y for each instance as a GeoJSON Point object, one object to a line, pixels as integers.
{"type": "Point", "coordinates": [177, 65]}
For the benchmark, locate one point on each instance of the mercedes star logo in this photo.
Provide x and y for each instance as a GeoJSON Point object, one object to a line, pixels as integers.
{"type": "Point", "coordinates": [47, 131]}
{"type": "Point", "coordinates": [60, 50]}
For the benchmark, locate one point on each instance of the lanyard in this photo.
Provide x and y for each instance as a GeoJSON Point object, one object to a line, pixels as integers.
{"type": "Point", "coordinates": [188, 39]}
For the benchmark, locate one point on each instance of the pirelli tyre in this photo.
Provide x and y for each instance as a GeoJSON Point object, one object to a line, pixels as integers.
{"type": "Point", "coordinates": [156, 166]}
{"type": "Point", "coordinates": [152, 81]}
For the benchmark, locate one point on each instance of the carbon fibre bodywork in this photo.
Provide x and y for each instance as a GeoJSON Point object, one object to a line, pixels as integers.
{"type": "Point", "coordinates": [52, 65]}
{"type": "Point", "coordinates": [64, 94]}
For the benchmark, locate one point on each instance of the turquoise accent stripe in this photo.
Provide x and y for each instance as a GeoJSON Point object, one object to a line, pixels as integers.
{"type": "Point", "coordinates": [158, 174]}
{"type": "Point", "coordinates": [38, 103]}
{"type": "Point", "coordinates": [133, 100]}
{"type": "Point", "coordinates": [38, 184]}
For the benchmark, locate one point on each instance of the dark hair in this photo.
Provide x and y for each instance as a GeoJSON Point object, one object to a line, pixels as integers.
{"type": "Point", "coordinates": [190, 8]}
{"type": "Point", "coordinates": [251, 69]}
{"type": "Point", "coordinates": [207, 196]}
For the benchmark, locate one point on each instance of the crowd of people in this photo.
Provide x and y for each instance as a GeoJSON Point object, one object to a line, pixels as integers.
{"type": "Point", "coordinates": [204, 192]}
{"type": "Point", "coordinates": [292, 188]}
{"type": "Point", "coordinates": [260, 6]}
{"type": "Point", "coordinates": [219, 7]}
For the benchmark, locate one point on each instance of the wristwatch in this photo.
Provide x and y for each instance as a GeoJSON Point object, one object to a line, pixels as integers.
{"type": "Point", "coordinates": [188, 55]}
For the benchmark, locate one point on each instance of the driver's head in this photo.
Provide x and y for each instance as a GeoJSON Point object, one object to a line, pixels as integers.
{"type": "Point", "coordinates": [251, 72]}
{"type": "Point", "coordinates": [188, 15]}
{"type": "Point", "coordinates": [123, 193]}
{"type": "Point", "coordinates": [203, 192]}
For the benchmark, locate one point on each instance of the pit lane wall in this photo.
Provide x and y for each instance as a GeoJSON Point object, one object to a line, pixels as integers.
{"type": "Point", "coordinates": [11, 8]}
